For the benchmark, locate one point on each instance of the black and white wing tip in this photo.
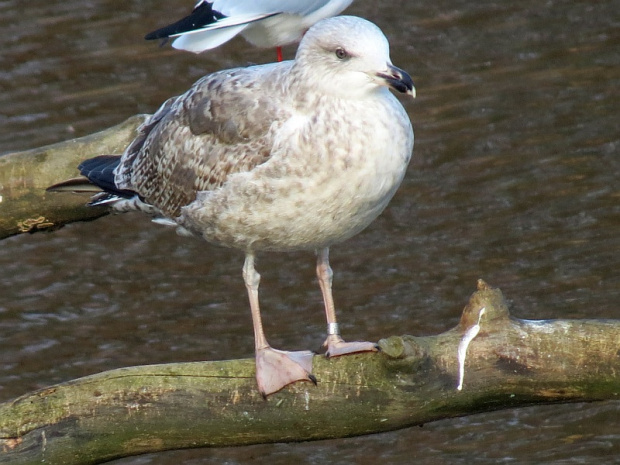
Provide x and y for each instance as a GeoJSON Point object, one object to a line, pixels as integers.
{"type": "Point", "coordinates": [202, 15]}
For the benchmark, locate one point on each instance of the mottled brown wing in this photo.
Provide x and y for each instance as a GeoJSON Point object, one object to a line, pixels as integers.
{"type": "Point", "coordinates": [223, 125]}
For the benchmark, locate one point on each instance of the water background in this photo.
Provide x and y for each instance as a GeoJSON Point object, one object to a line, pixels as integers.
{"type": "Point", "coordinates": [515, 179]}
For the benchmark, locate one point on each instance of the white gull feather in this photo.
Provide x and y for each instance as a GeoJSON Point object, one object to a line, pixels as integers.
{"type": "Point", "coordinates": [287, 156]}
{"type": "Point", "coordinates": [263, 23]}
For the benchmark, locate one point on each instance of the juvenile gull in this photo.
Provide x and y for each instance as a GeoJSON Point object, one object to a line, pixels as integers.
{"type": "Point", "coordinates": [264, 23]}
{"type": "Point", "coordinates": [297, 155]}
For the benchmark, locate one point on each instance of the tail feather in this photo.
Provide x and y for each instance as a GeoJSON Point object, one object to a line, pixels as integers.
{"type": "Point", "coordinates": [98, 176]}
{"type": "Point", "coordinates": [78, 185]}
{"type": "Point", "coordinates": [98, 179]}
{"type": "Point", "coordinates": [100, 171]}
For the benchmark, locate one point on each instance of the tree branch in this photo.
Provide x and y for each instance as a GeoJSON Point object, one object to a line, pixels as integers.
{"type": "Point", "coordinates": [24, 176]}
{"type": "Point", "coordinates": [509, 363]}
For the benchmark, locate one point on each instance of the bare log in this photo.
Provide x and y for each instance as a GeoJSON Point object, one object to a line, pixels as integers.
{"type": "Point", "coordinates": [509, 363]}
{"type": "Point", "coordinates": [24, 176]}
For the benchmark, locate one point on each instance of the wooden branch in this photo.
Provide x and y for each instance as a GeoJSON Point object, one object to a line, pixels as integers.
{"type": "Point", "coordinates": [509, 363]}
{"type": "Point", "coordinates": [24, 176]}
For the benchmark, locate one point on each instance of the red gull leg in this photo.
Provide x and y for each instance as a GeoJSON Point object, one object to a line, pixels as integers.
{"type": "Point", "coordinates": [334, 343]}
{"type": "Point", "coordinates": [279, 53]}
{"type": "Point", "coordinates": [274, 368]}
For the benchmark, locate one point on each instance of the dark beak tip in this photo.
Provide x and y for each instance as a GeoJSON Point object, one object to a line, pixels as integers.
{"type": "Point", "coordinates": [399, 80]}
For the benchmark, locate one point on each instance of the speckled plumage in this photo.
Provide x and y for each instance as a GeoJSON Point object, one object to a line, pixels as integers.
{"type": "Point", "coordinates": [278, 164]}
{"type": "Point", "coordinates": [287, 156]}
{"type": "Point", "coordinates": [194, 142]}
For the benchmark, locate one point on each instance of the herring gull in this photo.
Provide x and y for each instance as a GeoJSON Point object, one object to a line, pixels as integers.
{"type": "Point", "coordinates": [297, 155]}
{"type": "Point", "coordinates": [263, 23]}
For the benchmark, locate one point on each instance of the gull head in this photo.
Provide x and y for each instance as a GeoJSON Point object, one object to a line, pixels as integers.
{"type": "Point", "coordinates": [349, 57]}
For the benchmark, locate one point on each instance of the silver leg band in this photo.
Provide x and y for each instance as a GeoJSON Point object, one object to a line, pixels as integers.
{"type": "Point", "coordinates": [333, 329]}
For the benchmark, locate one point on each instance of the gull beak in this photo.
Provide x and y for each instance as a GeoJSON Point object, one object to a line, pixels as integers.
{"type": "Point", "coordinates": [397, 79]}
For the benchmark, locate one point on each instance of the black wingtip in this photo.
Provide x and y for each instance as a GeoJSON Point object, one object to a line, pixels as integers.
{"type": "Point", "coordinates": [201, 16]}
{"type": "Point", "coordinates": [100, 172]}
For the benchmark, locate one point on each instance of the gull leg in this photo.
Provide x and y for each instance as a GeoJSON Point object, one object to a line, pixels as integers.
{"type": "Point", "coordinates": [334, 343]}
{"type": "Point", "coordinates": [279, 53]}
{"type": "Point", "coordinates": [274, 368]}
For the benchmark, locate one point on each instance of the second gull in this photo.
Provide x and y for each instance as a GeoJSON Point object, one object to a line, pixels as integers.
{"type": "Point", "coordinates": [263, 23]}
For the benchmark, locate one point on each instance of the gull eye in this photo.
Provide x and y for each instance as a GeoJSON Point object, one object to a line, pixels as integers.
{"type": "Point", "coordinates": [341, 53]}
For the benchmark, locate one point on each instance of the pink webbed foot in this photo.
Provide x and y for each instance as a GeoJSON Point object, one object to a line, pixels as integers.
{"type": "Point", "coordinates": [336, 346]}
{"type": "Point", "coordinates": [277, 368]}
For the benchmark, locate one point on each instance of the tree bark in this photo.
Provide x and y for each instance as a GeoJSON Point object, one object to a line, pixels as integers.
{"type": "Point", "coordinates": [24, 176]}
{"type": "Point", "coordinates": [413, 380]}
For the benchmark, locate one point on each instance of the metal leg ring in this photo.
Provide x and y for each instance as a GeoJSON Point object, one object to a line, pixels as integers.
{"type": "Point", "coordinates": [333, 329]}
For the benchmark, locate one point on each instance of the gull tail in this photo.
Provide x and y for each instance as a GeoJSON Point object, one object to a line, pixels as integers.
{"type": "Point", "coordinates": [97, 178]}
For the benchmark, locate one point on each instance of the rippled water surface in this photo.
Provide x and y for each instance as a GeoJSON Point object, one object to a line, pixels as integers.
{"type": "Point", "coordinates": [515, 179]}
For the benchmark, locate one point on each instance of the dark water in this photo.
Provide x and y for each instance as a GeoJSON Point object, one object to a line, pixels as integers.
{"type": "Point", "coordinates": [516, 179]}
